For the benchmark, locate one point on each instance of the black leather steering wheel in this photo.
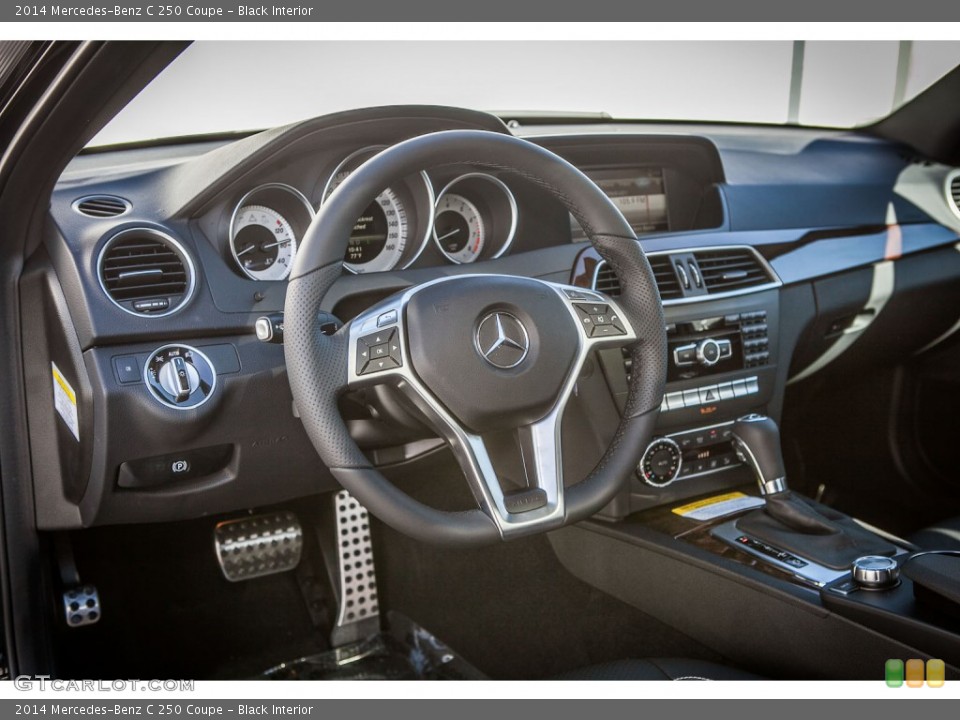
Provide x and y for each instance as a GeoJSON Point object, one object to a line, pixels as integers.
{"type": "Point", "coordinates": [477, 353]}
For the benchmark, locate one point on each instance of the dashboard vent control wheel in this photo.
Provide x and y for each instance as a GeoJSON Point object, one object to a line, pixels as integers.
{"type": "Point", "coordinates": [102, 206]}
{"type": "Point", "coordinates": [146, 272]}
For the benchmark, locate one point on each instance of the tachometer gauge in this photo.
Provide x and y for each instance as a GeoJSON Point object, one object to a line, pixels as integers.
{"type": "Point", "coordinates": [393, 230]}
{"type": "Point", "coordinates": [475, 218]}
{"type": "Point", "coordinates": [263, 243]}
{"type": "Point", "coordinates": [265, 228]}
{"type": "Point", "coordinates": [458, 228]}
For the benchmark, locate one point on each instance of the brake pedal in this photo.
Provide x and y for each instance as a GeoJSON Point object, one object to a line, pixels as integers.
{"type": "Point", "coordinates": [81, 606]}
{"type": "Point", "coordinates": [359, 611]}
{"type": "Point", "coordinates": [260, 545]}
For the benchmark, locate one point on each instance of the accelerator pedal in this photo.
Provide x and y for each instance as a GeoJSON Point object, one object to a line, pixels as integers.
{"type": "Point", "coordinates": [81, 606]}
{"type": "Point", "coordinates": [358, 615]}
{"type": "Point", "coordinates": [259, 545]}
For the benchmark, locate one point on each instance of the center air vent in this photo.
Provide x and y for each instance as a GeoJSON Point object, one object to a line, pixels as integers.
{"type": "Point", "coordinates": [953, 191]}
{"type": "Point", "coordinates": [729, 270]}
{"type": "Point", "coordinates": [146, 272]}
{"type": "Point", "coordinates": [102, 206]}
{"type": "Point", "coordinates": [699, 274]}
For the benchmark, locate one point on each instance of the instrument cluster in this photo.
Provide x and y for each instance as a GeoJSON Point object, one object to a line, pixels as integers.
{"type": "Point", "coordinates": [469, 217]}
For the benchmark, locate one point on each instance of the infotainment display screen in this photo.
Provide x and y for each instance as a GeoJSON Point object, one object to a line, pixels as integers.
{"type": "Point", "coordinates": [640, 195]}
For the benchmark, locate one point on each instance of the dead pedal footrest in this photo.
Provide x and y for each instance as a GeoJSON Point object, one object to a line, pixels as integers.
{"type": "Point", "coordinates": [358, 579]}
{"type": "Point", "coordinates": [260, 545]}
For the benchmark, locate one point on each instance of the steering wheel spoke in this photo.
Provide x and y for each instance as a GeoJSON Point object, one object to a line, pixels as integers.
{"type": "Point", "coordinates": [379, 353]}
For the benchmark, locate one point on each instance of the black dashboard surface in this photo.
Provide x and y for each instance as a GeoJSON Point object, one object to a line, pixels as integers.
{"type": "Point", "coordinates": [813, 204]}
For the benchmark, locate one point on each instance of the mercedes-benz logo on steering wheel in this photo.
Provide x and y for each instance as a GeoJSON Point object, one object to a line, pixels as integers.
{"type": "Point", "coordinates": [502, 340]}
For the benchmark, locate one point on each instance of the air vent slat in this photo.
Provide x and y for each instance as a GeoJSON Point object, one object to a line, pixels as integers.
{"type": "Point", "coordinates": [955, 192]}
{"type": "Point", "coordinates": [144, 264]}
{"type": "Point", "coordinates": [102, 206]}
{"type": "Point", "coordinates": [729, 270]}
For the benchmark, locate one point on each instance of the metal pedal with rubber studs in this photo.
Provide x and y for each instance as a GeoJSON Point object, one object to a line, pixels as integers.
{"type": "Point", "coordinates": [358, 579]}
{"type": "Point", "coordinates": [81, 606]}
{"type": "Point", "coordinates": [259, 545]}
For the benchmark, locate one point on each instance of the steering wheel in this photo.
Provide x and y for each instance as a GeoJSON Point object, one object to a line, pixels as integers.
{"type": "Point", "coordinates": [477, 353]}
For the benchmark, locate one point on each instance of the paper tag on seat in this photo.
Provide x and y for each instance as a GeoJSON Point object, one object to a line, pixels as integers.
{"type": "Point", "coordinates": [718, 506]}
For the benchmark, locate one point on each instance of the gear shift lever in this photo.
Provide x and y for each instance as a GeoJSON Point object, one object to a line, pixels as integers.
{"type": "Point", "coordinates": [756, 440]}
{"type": "Point", "coordinates": [788, 520]}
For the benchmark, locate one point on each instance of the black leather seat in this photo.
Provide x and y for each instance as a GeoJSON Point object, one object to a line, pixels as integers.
{"type": "Point", "coordinates": [944, 535]}
{"type": "Point", "coordinates": [658, 669]}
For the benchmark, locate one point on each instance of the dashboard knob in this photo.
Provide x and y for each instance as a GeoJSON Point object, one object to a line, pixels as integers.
{"type": "Point", "coordinates": [180, 376]}
{"type": "Point", "coordinates": [708, 352]}
{"type": "Point", "coordinates": [660, 464]}
{"type": "Point", "coordinates": [875, 572]}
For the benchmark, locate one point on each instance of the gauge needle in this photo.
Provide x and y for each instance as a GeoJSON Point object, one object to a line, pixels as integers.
{"type": "Point", "coordinates": [246, 250]}
{"type": "Point", "coordinates": [444, 237]}
{"type": "Point", "coordinates": [270, 245]}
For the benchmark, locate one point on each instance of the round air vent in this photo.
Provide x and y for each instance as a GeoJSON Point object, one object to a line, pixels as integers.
{"type": "Point", "coordinates": [146, 272]}
{"type": "Point", "coordinates": [102, 206]}
{"type": "Point", "coordinates": [952, 188]}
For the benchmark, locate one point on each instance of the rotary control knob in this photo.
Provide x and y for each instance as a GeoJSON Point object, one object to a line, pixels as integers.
{"type": "Point", "coordinates": [875, 572]}
{"type": "Point", "coordinates": [708, 352]}
{"type": "Point", "coordinates": [180, 376]}
{"type": "Point", "coordinates": [660, 464]}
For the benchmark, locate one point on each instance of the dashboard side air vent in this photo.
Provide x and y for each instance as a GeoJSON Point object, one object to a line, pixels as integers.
{"type": "Point", "coordinates": [102, 206]}
{"type": "Point", "coordinates": [146, 272]}
{"type": "Point", "coordinates": [728, 270]}
{"type": "Point", "coordinates": [953, 191]}
{"type": "Point", "coordinates": [606, 281]}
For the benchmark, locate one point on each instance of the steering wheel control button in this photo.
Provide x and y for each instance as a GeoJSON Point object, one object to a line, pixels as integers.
{"type": "Point", "coordinates": [180, 376]}
{"type": "Point", "coordinates": [378, 351]}
{"type": "Point", "coordinates": [502, 340]}
{"type": "Point", "coordinates": [598, 320]}
{"type": "Point", "coordinates": [875, 572]}
{"type": "Point", "coordinates": [387, 318]}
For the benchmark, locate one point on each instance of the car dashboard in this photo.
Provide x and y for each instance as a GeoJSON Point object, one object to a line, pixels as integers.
{"type": "Point", "coordinates": [778, 252]}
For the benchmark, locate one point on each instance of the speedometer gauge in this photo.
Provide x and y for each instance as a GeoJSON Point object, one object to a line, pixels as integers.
{"type": "Point", "coordinates": [379, 236]}
{"type": "Point", "coordinates": [458, 229]}
{"type": "Point", "coordinates": [394, 228]}
{"type": "Point", "coordinates": [263, 243]}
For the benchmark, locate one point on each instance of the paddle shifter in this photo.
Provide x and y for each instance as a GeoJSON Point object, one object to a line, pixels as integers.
{"type": "Point", "coordinates": [790, 521]}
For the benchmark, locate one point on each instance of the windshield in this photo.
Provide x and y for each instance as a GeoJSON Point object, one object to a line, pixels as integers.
{"type": "Point", "coordinates": [216, 87]}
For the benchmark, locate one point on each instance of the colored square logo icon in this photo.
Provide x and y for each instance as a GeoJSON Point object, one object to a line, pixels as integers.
{"type": "Point", "coordinates": [893, 673]}
{"type": "Point", "coordinates": [914, 673]}
{"type": "Point", "coordinates": [936, 673]}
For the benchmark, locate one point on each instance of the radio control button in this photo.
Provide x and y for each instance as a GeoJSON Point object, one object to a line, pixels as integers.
{"type": "Point", "coordinates": [685, 355]}
{"type": "Point", "coordinates": [674, 401]}
{"type": "Point", "coordinates": [691, 398]}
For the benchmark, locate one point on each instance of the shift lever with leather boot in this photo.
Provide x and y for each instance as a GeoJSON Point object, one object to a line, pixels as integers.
{"type": "Point", "coordinates": [789, 521]}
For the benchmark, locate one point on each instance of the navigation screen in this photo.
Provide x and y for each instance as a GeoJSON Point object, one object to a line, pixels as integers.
{"type": "Point", "coordinates": [640, 195]}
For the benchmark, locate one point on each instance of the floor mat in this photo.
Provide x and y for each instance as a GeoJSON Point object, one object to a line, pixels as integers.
{"type": "Point", "coordinates": [512, 609]}
{"type": "Point", "coordinates": [169, 612]}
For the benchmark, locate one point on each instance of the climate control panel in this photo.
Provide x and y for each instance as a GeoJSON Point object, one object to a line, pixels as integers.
{"type": "Point", "coordinates": [687, 454]}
